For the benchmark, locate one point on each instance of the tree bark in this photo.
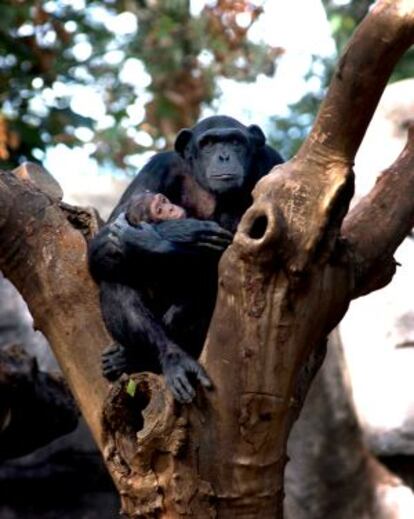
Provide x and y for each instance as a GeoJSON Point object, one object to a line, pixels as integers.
{"type": "Point", "coordinates": [285, 282]}
{"type": "Point", "coordinates": [392, 214]}
{"type": "Point", "coordinates": [44, 256]}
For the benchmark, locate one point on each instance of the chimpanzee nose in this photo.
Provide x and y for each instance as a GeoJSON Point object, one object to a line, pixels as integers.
{"type": "Point", "coordinates": [224, 156]}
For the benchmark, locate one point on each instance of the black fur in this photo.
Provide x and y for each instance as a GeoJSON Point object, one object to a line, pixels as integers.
{"type": "Point", "coordinates": [158, 281]}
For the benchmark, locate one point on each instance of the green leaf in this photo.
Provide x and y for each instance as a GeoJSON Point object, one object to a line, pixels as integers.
{"type": "Point", "coordinates": [131, 388]}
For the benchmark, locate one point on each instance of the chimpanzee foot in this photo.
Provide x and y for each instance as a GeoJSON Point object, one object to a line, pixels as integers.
{"type": "Point", "coordinates": [181, 372]}
{"type": "Point", "coordinates": [114, 362]}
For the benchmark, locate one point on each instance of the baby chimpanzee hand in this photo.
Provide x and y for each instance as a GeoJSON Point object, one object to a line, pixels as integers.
{"type": "Point", "coordinates": [178, 369]}
{"type": "Point", "coordinates": [143, 236]}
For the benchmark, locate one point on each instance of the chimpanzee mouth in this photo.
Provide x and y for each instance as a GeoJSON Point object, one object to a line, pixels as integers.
{"type": "Point", "coordinates": [222, 177]}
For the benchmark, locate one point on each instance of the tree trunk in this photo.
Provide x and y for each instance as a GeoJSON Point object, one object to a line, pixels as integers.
{"type": "Point", "coordinates": [285, 282]}
{"type": "Point", "coordinates": [331, 473]}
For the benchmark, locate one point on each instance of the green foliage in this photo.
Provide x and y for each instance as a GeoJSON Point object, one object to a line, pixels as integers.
{"type": "Point", "coordinates": [131, 387]}
{"type": "Point", "coordinates": [185, 55]}
{"type": "Point", "coordinates": [51, 49]}
{"type": "Point", "coordinates": [344, 18]}
{"type": "Point", "coordinates": [292, 129]}
{"type": "Point", "coordinates": [37, 41]}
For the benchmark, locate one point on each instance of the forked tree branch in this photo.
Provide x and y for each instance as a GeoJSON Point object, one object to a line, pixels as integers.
{"type": "Point", "coordinates": [381, 220]}
{"type": "Point", "coordinates": [44, 256]}
{"type": "Point", "coordinates": [360, 78]}
{"type": "Point", "coordinates": [284, 284]}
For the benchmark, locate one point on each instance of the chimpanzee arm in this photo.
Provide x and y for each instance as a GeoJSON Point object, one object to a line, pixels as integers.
{"type": "Point", "coordinates": [117, 247]}
{"type": "Point", "coordinates": [115, 250]}
{"type": "Point", "coordinates": [144, 340]}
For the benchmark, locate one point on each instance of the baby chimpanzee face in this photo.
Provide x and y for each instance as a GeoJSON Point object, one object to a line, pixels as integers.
{"type": "Point", "coordinates": [162, 209]}
{"type": "Point", "coordinates": [152, 208]}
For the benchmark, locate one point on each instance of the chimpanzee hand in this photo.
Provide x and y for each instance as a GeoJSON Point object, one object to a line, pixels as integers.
{"type": "Point", "coordinates": [195, 233]}
{"type": "Point", "coordinates": [169, 237]}
{"type": "Point", "coordinates": [177, 366]}
{"type": "Point", "coordinates": [117, 360]}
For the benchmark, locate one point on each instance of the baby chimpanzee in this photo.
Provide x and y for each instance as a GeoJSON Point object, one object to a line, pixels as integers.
{"type": "Point", "coordinates": [173, 297]}
{"type": "Point", "coordinates": [152, 208]}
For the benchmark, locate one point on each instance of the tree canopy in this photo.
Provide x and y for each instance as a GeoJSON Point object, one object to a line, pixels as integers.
{"type": "Point", "coordinates": [152, 64]}
{"type": "Point", "coordinates": [343, 18]}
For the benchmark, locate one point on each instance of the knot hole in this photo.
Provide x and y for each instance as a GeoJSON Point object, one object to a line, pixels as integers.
{"type": "Point", "coordinates": [258, 228]}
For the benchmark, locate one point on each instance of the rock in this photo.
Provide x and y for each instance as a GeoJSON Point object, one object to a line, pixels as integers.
{"type": "Point", "coordinates": [378, 330]}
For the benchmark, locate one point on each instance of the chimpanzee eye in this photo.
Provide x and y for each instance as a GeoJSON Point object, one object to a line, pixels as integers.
{"type": "Point", "coordinates": [207, 142]}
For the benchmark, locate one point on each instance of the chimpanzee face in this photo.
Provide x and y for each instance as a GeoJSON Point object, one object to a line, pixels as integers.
{"type": "Point", "coordinates": [220, 156]}
{"type": "Point", "coordinates": [151, 208]}
{"type": "Point", "coordinates": [162, 209]}
{"type": "Point", "coordinates": [222, 160]}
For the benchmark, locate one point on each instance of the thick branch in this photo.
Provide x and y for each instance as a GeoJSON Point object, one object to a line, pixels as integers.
{"type": "Point", "coordinates": [360, 78]}
{"type": "Point", "coordinates": [381, 220]}
{"type": "Point", "coordinates": [45, 258]}
{"type": "Point", "coordinates": [285, 282]}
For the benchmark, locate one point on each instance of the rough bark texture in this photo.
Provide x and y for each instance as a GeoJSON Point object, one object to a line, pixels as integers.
{"type": "Point", "coordinates": [45, 258]}
{"type": "Point", "coordinates": [284, 284]}
{"type": "Point", "coordinates": [393, 215]}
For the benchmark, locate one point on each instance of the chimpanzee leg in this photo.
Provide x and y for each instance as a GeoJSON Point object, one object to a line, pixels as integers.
{"type": "Point", "coordinates": [125, 317]}
{"type": "Point", "coordinates": [145, 343]}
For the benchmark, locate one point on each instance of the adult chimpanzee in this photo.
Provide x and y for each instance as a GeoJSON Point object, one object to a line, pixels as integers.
{"type": "Point", "coordinates": [211, 175]}
{"type": "Point", "coordinates": [171, 296]}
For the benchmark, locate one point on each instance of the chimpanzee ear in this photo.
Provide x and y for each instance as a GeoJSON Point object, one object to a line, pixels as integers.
{"type": "Point", "coordinates": [256, 135]}
{"type": "Point", "coordinates": [182, 140]}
